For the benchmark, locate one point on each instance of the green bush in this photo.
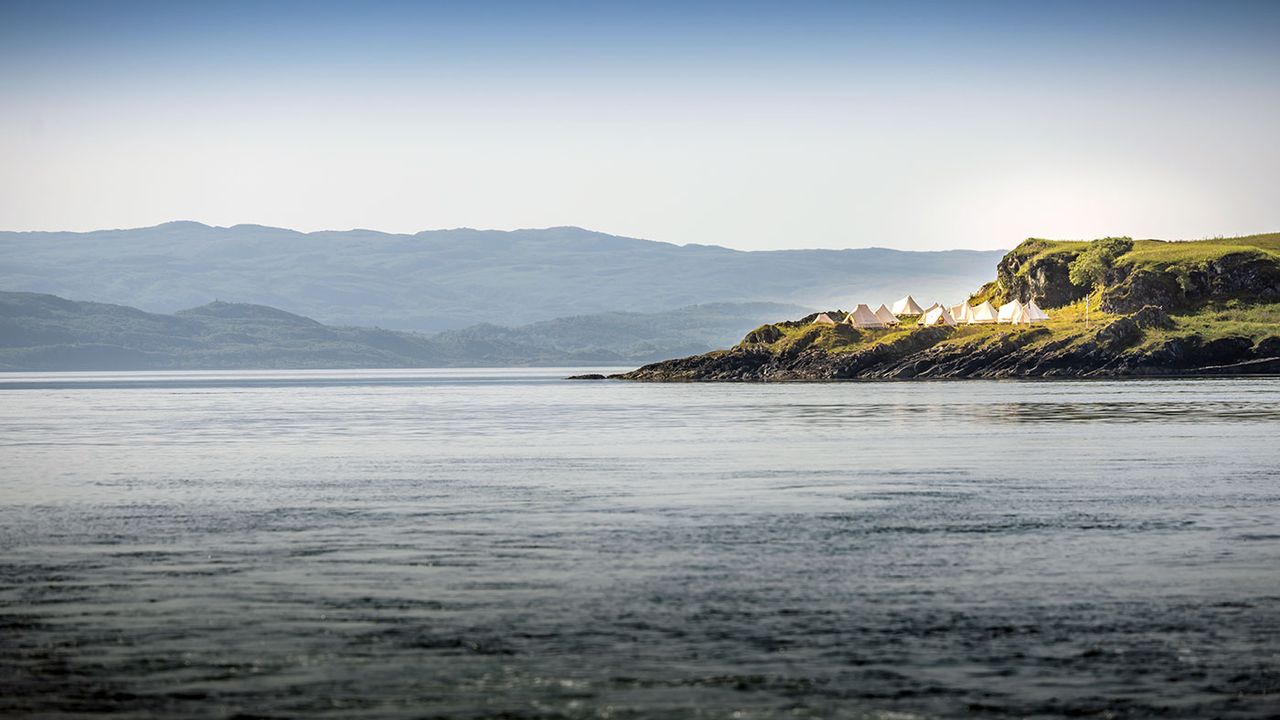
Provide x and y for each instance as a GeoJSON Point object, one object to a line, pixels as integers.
{"type": "Point", "coordinates": [1091, 266]}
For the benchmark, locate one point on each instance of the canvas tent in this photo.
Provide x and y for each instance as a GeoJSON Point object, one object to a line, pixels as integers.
{"type": "Point", "coordinates": [1035, 314]}
{"type": "Point", "coordinates": [907, 306]}
{"type": "Point", "coordinates": [960, 313]}
{"type": "Point", "coordinates": [937, 316]}
{"type": "Point", "coordinates": [885, 316]}
{"type": "Point", "coordinates": [862, 317]}
{"type": "Point", "coordinates": [824, 319]}
{"type": "Point", "coordinates": [931, 307]}
{"type": "Point", "coordinates": [984, 314]}
{"type": "Point", "coordinates": [1009, 311]}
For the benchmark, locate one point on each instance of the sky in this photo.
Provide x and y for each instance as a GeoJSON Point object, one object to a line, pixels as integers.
{"type": "Point", "coordinates": [753, 125]}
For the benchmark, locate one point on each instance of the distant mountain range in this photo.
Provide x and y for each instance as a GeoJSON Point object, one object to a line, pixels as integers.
{"type": "Point", "coordinates": [451, 279]}
{"type": "Point", "coordinates": [45, 332]}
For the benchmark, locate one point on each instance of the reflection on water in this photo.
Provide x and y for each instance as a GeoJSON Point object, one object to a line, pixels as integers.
{"type": "Point", "coordinates": [1187, 411]}
{"type": "Point", "coordinates": [505, 544]}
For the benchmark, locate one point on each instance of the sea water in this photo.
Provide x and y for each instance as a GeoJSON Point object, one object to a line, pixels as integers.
{"type": "Point", "coordinates": [505, 543]}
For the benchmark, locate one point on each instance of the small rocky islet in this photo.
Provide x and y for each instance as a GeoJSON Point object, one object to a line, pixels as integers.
{"type": "Point", "coordinates": [1202, 307]}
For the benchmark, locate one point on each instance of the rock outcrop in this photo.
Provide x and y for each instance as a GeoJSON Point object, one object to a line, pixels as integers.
{"type": "Point", "coordinates": [1024, 276]}
{"type": "Point", "coordinates": [1152, 317]}
{"type": "Point", "coordinates": [1251, 275]}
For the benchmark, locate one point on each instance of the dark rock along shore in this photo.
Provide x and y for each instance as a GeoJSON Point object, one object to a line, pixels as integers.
{"type": "Point", "coordinates": [1109, 349]}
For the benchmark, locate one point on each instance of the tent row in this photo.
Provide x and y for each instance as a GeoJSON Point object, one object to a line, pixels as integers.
{"type": "Point", "coordinates": [1012, 312]}
{"type": "Point", "coordinates": [863, 317]}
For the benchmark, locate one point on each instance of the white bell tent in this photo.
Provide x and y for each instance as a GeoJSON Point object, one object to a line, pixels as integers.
{"type": "Point", "coordinates": [886, 316]}
{"type": "Point", "coordinates": [907, 306]}
{"type": "Point", "coordinates": [984, 314]}
{"type": "Point", "coordinates": [1009, 311]}
{"type": "Point", "coordinates": [862, 317]}
{"type": "Point", "coordinates": [937, 316]}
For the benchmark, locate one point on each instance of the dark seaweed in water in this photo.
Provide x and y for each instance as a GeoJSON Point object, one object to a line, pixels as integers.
{"type": "Point", "coordinates": [454, 545]}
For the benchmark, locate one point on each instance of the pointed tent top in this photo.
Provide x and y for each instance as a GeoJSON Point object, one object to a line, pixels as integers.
{"type": "Point", "coordinates": [937, 316]}
{"type": "Point", "coordinates": [933, 307]}
{"type": "Point", "coordinates": [1009, 311]}
{"type": "Point", "coordinates": [984, 313]}
{"type": "Point", "coordinates": [863, 317]}
{"type": "Point", "coordinates": [824, 319]}
{"type": "Point", "coordinates": [1035, 314]}
{"type": "Point", "coordinates": [961, 312]}
{"type": "Point", "coordinates": [886, 316]}
{"type": "Point", "coordinates": [907, 306]}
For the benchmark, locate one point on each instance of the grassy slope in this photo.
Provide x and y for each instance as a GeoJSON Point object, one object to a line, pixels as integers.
{"type": "Point", "coordinates": [1037, 248]}
{"type": "Point", "coordinates": [1158, 254]}
{"type": "Point", "coordinates": [47, 332]}
{"type": "Point", "coordinates": [1254, 322]}
{"type": "Point", "coordinates": [1066, 322]}
{"type": "Point", "coordinates": [1233, 318]}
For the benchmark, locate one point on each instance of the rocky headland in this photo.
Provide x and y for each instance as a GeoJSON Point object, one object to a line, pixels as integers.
{"type": "Point", "coordinates": [1206, 307]}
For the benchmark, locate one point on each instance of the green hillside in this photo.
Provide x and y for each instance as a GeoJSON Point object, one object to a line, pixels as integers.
{"type": "Point", "coordinates": [45, 332]}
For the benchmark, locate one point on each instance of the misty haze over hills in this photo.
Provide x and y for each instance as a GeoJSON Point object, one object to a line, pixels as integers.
{"type": "Point", "coordinates": [45, 332]}
{"type": "Point", "coordinates": [449, 279]}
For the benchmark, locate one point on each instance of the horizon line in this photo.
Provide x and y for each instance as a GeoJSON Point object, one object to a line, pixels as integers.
{"type": "Point", "coordinates": [595, 232]}
{"type": "Point", "coordinates": [486, 230]}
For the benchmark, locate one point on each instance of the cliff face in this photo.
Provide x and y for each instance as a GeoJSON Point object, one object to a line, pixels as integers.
{"type": "Point", "coordinates": [1025, 274]}
{"type": "Point", "coordinates": [1254, 276]}
{"type": "Point", "coordinates": [1155, 274]}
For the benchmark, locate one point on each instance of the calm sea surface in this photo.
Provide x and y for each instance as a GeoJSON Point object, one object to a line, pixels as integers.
{"type": "Point", "coordinates": [507, 544]}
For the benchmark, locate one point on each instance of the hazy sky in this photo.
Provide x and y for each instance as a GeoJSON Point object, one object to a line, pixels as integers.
{"type": "Point", "coordinates": [914, 125]}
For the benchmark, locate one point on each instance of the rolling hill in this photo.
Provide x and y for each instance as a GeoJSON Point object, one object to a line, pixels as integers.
{"type": "Point", "coordinates": [451, 279]}
{"type": "Point", "coordinates": [45, 332]}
